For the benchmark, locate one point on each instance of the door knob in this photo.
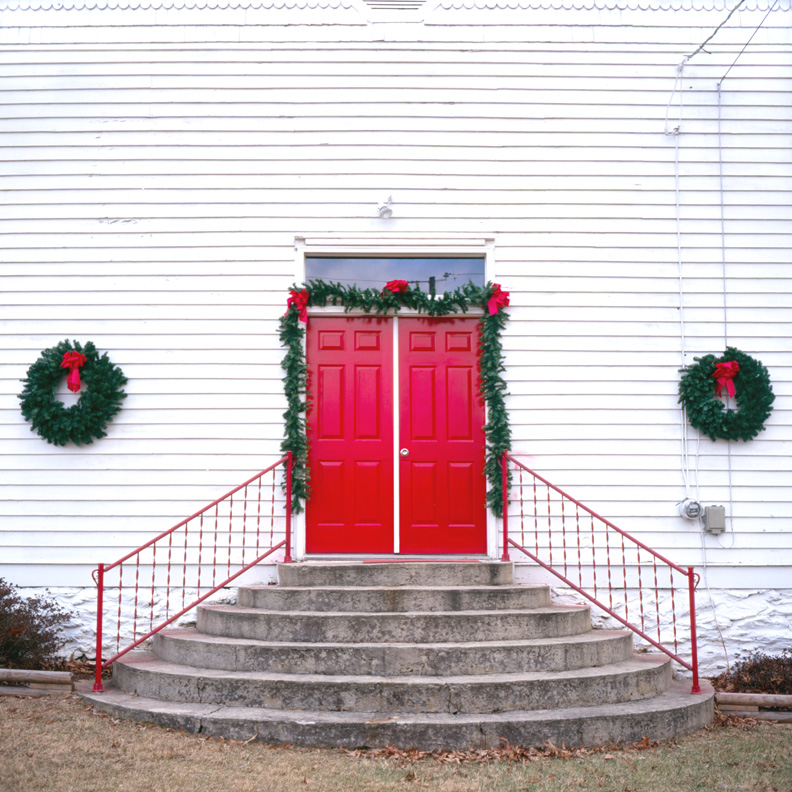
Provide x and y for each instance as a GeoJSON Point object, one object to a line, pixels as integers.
{"type": "Point", "coordinates": [404, 452]}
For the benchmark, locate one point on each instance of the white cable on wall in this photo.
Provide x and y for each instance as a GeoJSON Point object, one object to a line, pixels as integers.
{"type": "Point", "coordinates": [725, 300]}
{"type": "Point", "coordinates": [685, 440]}
{"type": "Point", "coordinates": [676, 131]}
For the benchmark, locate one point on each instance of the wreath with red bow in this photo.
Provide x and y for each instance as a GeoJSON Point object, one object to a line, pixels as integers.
{"type": "Point", "coordinates": [97, 380]}
{"type": "Point", "coordinates": [743, 378]}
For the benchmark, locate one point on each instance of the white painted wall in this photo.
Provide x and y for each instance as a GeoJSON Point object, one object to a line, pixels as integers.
{"type": "Point", "coordinates": [159, 163]}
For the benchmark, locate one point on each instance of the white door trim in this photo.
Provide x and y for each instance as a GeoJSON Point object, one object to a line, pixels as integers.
{"type": "Point", "coordinates": [384, 244]}
{"type": "Point", "coordinates": [396, 440]}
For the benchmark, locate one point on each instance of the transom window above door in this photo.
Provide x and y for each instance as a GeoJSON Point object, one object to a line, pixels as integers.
{"type": "Point", "coordinates": [433, 275]}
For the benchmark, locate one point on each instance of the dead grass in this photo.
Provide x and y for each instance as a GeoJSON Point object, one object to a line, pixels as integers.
{"type": "Point", "coordinates": [59, 744]}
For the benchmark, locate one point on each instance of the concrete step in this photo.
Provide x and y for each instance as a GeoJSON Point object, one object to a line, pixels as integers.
{"type": "Point", "coordinates": [593, 648]}
{"type": "Point", "coordinates": [394, 599]}
{"type": "Point", "coordinates": [671, 714]}
{"type": "Point", "coordinates": [643, 676]}
{"type": "Point", "coordinates": [420, 628]}
{"type": "Point", "coordinates": [411, 573]}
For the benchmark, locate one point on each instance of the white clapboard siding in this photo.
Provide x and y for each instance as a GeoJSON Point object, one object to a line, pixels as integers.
{"type": "Point", "coordinates": [152, 193]}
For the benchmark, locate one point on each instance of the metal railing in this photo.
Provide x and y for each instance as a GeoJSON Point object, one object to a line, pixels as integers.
{"type": "Point", "coordinates": [228, 534]}
{"type": "Point", "coordinates": [606, 562]}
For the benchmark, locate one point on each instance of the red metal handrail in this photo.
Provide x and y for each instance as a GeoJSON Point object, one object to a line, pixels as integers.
{"type": "Point", "coordinates": [193, 548]}
{"type": "Point", "coordinates": [582, 546]}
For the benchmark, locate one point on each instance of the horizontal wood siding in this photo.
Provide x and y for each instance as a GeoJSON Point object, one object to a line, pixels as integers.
{"type": "Point", "coordinates": [152, 195]}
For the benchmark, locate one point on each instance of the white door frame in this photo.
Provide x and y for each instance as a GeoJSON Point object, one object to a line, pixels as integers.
{"type": "Point", "coordinates": [384, 246]}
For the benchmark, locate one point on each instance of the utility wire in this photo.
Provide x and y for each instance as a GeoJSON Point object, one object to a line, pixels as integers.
{"type": "Point", "coordinates": [701, 48]}
{"type": "Point", "coordinates": [714, 32]}
{"type": "Point", "coordinates": [772, 7]}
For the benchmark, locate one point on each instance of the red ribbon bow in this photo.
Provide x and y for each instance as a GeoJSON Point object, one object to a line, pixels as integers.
{"type": "Point", "coordinates": [299, 299]}
{"type": "Point", "coordinates": [498, 300]}
{"type": "Point", "coordinates": [72, 361]}
{"type": "Point", "coordinates": [724, 373]}
{"type": "Point", "coordinates": [397, 286]}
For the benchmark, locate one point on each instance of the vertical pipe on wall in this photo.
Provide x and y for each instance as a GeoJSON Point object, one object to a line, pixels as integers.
{"type": "Point", "coordinates": [725, 301]}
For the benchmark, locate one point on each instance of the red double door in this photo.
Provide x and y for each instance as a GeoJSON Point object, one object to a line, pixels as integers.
{"type": "Point", "coordinates": [395, 469]}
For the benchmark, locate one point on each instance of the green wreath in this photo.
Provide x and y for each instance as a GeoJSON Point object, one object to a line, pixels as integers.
{"type": "Point", "coordinates": [701, 384]}
{"type": "Point", "coordinates": [99, 401]}
{"type": "Point", "coordinates": [397, 295]}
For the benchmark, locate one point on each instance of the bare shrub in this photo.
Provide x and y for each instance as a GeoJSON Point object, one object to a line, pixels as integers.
{"type": "Point", "coordinates": [30, 629]}
{"type": "Point", "coordinates": [758, 673]}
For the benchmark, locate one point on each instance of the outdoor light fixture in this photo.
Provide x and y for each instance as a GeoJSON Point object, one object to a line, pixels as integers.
{"type": "Point", "coordinates": [384, 210]}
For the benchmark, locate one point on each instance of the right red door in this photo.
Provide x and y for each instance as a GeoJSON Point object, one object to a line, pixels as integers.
{"type": "Point", "coordinates": [442, 488]}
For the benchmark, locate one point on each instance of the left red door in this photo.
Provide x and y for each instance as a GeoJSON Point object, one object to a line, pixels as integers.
{"type": "Point", "coordinates": [350, 432]}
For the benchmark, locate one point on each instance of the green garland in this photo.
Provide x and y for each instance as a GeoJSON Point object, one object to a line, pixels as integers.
{"type": "Point", "coordinates": [492, 385]}
{"type": "Point", "coordinates": [99, 401]}
{"type": "Point", "coordinates": [706, 411]}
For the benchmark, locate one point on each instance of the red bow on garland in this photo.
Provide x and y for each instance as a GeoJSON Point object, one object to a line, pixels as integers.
{"type": "Point", "coordinates": [299, 299]}
{"type": "Point", "coordinates": [72, 361]}
{"type": "Point", "coordinates": [724, 373]}
{"type": "Point", "coordinates": [498, 300]}
{"type": "Point", "coordinates": [397, 286]}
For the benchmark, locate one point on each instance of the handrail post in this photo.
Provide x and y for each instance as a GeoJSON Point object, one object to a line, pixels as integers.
{"type": "Point", "coordinates": [287, 558]}
{"type": "Point", "coordinates": [696, 688]}
{"type": "Point", "coordinates": [99, 615]}
{"type": "Point", "coordinates": [505, 486]}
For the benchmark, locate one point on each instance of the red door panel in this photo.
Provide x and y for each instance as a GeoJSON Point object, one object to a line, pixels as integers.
{"type": "Point", "coordinates": [350, 432]}
{"type": "Point", "coordinates": [441, 416]}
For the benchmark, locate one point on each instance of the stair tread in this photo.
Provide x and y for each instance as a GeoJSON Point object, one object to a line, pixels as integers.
{"type": "Point", "coordinates": [383, 563]}
{"type": "Point", "coordinates": [291, 614]}
{"type": "Point", "coordinates": [479, 587]}
{"type": "Point", "coordinates": [143, 659]}
{"type": "Point", "coordinates": [677, 696]}
{"type": "Point", "coordinates": [593, 636]}
{"type": "Point", "coordinates": [398, 572]}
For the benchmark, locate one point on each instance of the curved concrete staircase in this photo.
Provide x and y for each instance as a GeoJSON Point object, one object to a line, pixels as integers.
{"type": "Point", "coordinates": [428, 655]}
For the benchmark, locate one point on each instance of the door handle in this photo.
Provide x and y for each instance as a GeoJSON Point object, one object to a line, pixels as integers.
{"type": "Point", "coordinates": [404, 452]}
